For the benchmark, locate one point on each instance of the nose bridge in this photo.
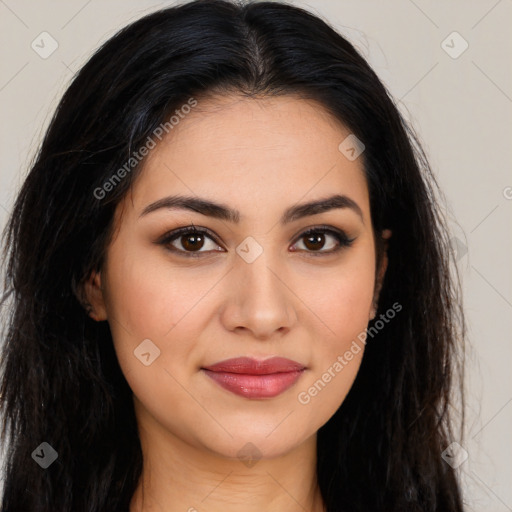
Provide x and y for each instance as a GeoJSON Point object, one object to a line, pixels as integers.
{"type": "Point", "coordinates": [260, 301]}
{"type": "Point", "coordinates": [261, 279]}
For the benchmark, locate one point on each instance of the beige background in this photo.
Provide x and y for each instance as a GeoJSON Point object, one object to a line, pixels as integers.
{"type": "Point", "coordinates": [461, 107]}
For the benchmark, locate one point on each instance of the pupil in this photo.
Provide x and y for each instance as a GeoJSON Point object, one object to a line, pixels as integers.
{"type": "Point", "coordinates": [315, 241]}
{"type": "Point", "coordinates": [193, 242]}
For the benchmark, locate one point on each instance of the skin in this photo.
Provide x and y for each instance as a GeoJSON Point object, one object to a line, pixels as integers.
{"type": "Point", "coordinates": [259, 156]}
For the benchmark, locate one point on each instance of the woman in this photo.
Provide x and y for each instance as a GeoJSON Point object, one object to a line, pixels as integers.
{"type": "Point", "coordinates": [230, 282]}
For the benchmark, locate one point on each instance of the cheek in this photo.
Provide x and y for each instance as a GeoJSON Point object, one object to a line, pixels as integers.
{"type": "Point", "coordinates": [157, 302]}
{"type": "Point", "coordinates": [150, 294]}
{"type": "Point", "coordinates": [342, 299]}
{"type": "Point", "coordinates": [342, 305]}
{"type": "Point", "coordinates": [150, 300]}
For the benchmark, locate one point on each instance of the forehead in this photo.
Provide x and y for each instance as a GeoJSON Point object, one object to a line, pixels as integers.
{"type": "Point", "coordinates": [253, 154]}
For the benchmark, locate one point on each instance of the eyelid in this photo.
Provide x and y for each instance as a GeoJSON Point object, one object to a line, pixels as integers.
{"type": "Point", "coordinates": [343, 239]}
{"type": "Point", "coordinates": [174, 234]}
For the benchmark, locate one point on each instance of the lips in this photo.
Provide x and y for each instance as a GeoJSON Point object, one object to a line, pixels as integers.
{"type": "Point", "coordinates": [255, 379]}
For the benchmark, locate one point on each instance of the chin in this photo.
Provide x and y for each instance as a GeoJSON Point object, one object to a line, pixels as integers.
{"type": "Point", "coordinates": [252, 443]}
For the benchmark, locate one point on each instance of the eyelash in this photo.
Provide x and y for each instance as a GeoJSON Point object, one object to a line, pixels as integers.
{"type": "Point", "coordinates": [169, 237]}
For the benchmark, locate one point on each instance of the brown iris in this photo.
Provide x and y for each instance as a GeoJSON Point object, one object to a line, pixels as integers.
{"type": "Point", "coordinates": [193, 241]}
{"type": "Point", "coordinates": [315, 241]}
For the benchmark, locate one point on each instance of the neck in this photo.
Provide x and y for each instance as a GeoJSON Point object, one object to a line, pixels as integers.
{"type": "Point", "coordinates": [178, 476]}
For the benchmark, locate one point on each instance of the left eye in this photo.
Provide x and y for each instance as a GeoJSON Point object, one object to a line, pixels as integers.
{"type": "Point", "coordinates": [314, 240]}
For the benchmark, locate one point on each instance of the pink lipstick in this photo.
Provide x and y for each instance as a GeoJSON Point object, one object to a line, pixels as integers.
{"type": "Point", "coordinates": [255, 379]}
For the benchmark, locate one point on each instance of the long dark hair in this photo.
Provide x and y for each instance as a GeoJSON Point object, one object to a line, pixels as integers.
{"type": "Point", "coordinates": [61, 382]}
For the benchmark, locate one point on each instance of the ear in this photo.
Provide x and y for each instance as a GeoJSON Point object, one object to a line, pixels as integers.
{"type": "Point", "coordinates": [380, 272]}
{"type": "Point", "coordinates": [94, 298]}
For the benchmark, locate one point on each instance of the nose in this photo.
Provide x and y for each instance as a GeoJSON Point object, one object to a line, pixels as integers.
{"type": "Point", "coordinates": [258, 300]}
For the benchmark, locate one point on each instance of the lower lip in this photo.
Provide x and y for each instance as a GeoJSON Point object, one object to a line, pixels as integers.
{"type": "Point", "coordinates": [255, 386]}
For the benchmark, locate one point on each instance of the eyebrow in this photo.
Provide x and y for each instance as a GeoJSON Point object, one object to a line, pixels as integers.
{"type": "Point", "coordinates": [223, 212]}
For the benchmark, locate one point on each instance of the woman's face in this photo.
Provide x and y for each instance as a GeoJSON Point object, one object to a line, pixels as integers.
{"type": "Point", "coordinates": [254, 286]}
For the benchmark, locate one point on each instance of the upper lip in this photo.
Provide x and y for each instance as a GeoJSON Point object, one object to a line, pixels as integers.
{"type": "Point", "coordinates": [250, 366]}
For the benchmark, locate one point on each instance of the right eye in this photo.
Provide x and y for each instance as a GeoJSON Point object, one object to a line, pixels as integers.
{"type": "Point", "coordinates": [189, 241]}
